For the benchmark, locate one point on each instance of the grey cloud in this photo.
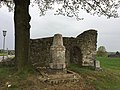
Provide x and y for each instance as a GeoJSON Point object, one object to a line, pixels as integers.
{"type": "Point", "coordinates": [48, 25]}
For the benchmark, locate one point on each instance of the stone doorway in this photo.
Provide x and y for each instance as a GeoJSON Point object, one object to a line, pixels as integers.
{"type": "Point", "coordinates": [76, 55]}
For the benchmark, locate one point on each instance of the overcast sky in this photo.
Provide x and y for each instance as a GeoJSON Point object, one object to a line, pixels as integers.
{"type": "Point", "coordinates": [48, 25]}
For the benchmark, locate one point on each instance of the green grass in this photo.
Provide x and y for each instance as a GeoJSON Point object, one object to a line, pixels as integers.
{"type": "Point", "coordinates": [110, 63]}
{"type": "Point", "coordinates": [14, 77]}
{"type": "Point", "coordinates": [6, 75]}
{"type": "Point", "coordinates": [107, 79]}
{"type": "Point", "coordinates": [1, 54]}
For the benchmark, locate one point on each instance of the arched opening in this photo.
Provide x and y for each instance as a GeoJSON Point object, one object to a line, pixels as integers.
{"type": "Point", "coordinates": [76, 55]}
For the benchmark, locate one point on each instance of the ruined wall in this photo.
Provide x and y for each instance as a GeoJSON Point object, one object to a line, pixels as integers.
{"type": "Point", "coordinates": [88, 41]}
{"type": "Point", "coordinates": [40, 51]}
{"type": "Point", "coordinates": [80, 50]}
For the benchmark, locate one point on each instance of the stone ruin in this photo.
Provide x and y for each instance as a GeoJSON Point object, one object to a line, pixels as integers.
{"type": "Point", "coordinates": [52, 55]}
{"type": "Point", "coordinates": [57, 73]}
{"type": "Point", "coordinates": [80, 50]}
{"type": "Point", "coordinates": [57, 52]}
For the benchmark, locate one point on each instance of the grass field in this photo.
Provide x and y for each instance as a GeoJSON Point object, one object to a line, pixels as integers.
{"type": "Point", "coordinates": [1, 54]}
{"type": "Point", "coordinates": [107, 79]}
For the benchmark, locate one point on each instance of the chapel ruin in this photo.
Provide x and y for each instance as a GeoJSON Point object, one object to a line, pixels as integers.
{"type": "Point", "coordinates": [80, 50]}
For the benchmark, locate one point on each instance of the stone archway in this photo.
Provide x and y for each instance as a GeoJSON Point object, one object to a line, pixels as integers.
{"type": "Point", "coordinates": [76, 55]}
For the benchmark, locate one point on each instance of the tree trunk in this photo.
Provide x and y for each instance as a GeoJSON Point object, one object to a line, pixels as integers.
{"type": "Point", "coordinates": [22, 33]}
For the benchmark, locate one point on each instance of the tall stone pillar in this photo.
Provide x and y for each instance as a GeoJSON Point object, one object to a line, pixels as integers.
{"type": "Point", "coordinates": [57, 52]}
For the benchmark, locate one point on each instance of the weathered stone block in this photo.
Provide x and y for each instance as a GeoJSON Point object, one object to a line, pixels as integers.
{"type": "Point", "coordinates": [97, 65]}
{"type": "Point", "coordinates": [57, 52]}
{"type": "Point", "coordinates": [57, 65]}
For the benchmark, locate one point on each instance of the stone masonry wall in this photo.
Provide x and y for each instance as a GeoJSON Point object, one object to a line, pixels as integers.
{"type": "Point", "coordinates": [88, 41]}
{"type": "Point", "coordinates": [80, 50]}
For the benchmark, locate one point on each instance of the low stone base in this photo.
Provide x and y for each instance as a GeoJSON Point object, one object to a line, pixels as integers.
{"type": "Point", "coordinates": [57, 65]}
{"type": "Point", "coordinates": [69, 77]}
{"type": "Point", "coordinates": [57, 68]}
{"type": "Point", "coordinates": [56, 71]}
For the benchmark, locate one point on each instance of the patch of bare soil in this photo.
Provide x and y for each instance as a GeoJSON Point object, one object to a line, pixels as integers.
{"type": "Point", "coordinates": [33, 83]}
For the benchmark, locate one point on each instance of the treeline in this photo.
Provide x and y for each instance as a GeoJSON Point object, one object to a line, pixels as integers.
{"type": "Point", "coordinates": [10, 52]}
{"type": "Point", "coordinates": [101, 52]}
